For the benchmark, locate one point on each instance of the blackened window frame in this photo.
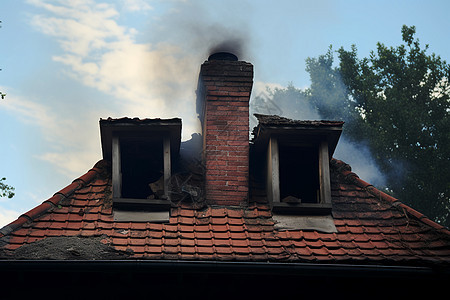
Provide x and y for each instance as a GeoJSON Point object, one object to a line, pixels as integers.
{"type": "Point", "coordinates": [165, 132]}
{"type": "Point", "coordinates": [274, 183]}
{"type": "Point", "coordinates": [131, 203]}
{"type": "Point", "coordinates": [324, 135]}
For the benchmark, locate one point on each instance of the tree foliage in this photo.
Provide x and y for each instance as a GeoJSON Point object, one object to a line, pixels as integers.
{"type": "Point", "coordinates": [6, 190]}
{"type": "Point", "coordinates": [403, 95]}
{"type": "Point", "coordinates": [396, 101]}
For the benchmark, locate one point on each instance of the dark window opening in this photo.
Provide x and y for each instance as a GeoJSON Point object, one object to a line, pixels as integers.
{"type": "Point", "coordinates": [299, 174]}
{"type": "Point", "coordinates": [142, 167]}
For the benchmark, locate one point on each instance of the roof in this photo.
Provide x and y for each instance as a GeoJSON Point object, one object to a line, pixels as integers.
{"type": "Point", "coordinates": [372, 228]}
{"type": "Point", "coordinates": [274, 120]}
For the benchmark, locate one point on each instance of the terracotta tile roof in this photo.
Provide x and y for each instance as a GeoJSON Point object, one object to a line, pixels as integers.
{"type": "Point", "coordinates": [372, 227]}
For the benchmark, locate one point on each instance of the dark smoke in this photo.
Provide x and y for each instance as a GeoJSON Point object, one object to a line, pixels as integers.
{"type": "Point", "coordinates": [200, 31]}
{"type": "Point", "coordinates": [213, 38]}
{"type": "Point", "coordinates": [234, 42]}
{"type": "Point", "coordinates": [188, 34]}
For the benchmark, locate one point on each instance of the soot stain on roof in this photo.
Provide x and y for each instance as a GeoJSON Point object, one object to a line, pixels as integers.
{"type": "Point", "coordinates": [70, 248]}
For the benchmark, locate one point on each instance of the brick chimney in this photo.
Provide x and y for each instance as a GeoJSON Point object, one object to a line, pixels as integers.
{"type": "Point", "coordinates": [223, 96]}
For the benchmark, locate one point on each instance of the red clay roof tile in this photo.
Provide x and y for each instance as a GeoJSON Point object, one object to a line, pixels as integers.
{"type": "Point", "coordinates": [371, 227]}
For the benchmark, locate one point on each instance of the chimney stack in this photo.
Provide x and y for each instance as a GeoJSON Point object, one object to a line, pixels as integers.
{"type": "Point", "coordinates": [223, 96]}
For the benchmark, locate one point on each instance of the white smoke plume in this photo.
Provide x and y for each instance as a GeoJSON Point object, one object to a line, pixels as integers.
{"type": "Point", "coordinates": [357, 155]}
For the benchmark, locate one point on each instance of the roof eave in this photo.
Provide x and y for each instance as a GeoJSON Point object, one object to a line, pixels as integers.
{"type": "Point", "coordinates": [307, 269]}
{"type": "Point", "coordinates": [330, 133]}
{"type": "Point", "coordinates": [126, 126]}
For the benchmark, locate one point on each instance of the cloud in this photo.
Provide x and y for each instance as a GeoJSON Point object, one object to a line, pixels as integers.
{"type": "Point", "coordinates": [30, 111]}
{"type": "Point", "coordinates": [7, 216]}
{"type": "Point", "coordinates": [146, 80]}
{"type": "Point", "coordinates": [137, 5]}
{"type": "Point", "coordinates": [69, 162]}
{"type": "Point", "coordinates": [81, 27]}
{"type": "Point", "coordinates": [143, 79]}
{"type": "Point", "coordinates": [60, 133]}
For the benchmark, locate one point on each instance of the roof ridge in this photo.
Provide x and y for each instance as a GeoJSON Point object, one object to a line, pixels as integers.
{"type": "Point", "coordinates": [345, 170]}
{"type": "Point", "coordinates": [54, 200]}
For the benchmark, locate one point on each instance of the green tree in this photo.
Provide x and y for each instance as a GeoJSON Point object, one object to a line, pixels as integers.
{"type": "Point", "coordinates": [397, 102]}
{"type": "Point", "coordinates": [6, 190]}
{"type": "Point", "coordinates": [403, 97]}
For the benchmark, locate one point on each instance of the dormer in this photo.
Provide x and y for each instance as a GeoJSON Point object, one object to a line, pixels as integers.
{"type": "Point", "coordinates": [297, 156]}
{"type": "Point", "coordinates": [141, 153]}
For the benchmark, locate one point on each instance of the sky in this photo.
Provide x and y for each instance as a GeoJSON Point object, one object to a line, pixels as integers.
{"type": "Point", "coordinates": [66, 64]}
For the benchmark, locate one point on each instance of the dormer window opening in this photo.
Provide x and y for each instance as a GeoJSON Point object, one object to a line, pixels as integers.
{"type": "Point", "coordinates": [141, 153]}
{"type": "Point", "coordinates": [142, 168]}
{"type": "Point", "coordinates": [299, 173]}
{"type": "Point", "coordinates": [297, 155]}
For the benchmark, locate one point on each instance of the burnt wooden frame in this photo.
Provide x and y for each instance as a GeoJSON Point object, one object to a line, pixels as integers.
{"type": "Point", "coordinates": [273, 182]}
{"type": "Point", "coordinates": [131, 203]}
{"type": "Point", "coordinates": [112, 130]}
{"type": "Point", "coordinates": [325, 134]}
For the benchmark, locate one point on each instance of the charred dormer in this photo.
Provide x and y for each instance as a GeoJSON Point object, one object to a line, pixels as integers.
{"type": "Point", "coordinates": [141, 152]}
{"type": "Point", "coordinates": [297, 156]}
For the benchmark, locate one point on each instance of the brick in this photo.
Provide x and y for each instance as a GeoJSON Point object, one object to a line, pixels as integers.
{"type": "Point", "coordinates": [238, 164]}
{"type": "Point", "coordinates": [217, 182]}
{"type": "Point", "coordinates": [210, 163]}
{"type": "Point", "coordinates": [243, 188]}
{"type": "Point", "coordinates": [216, 143]}
{"type": "Point", "coordinates": [237, 143]}
{"type": "Point", "coordinates": [220, 172]}
{"type": "Point", "coordinates": [227, 93]}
